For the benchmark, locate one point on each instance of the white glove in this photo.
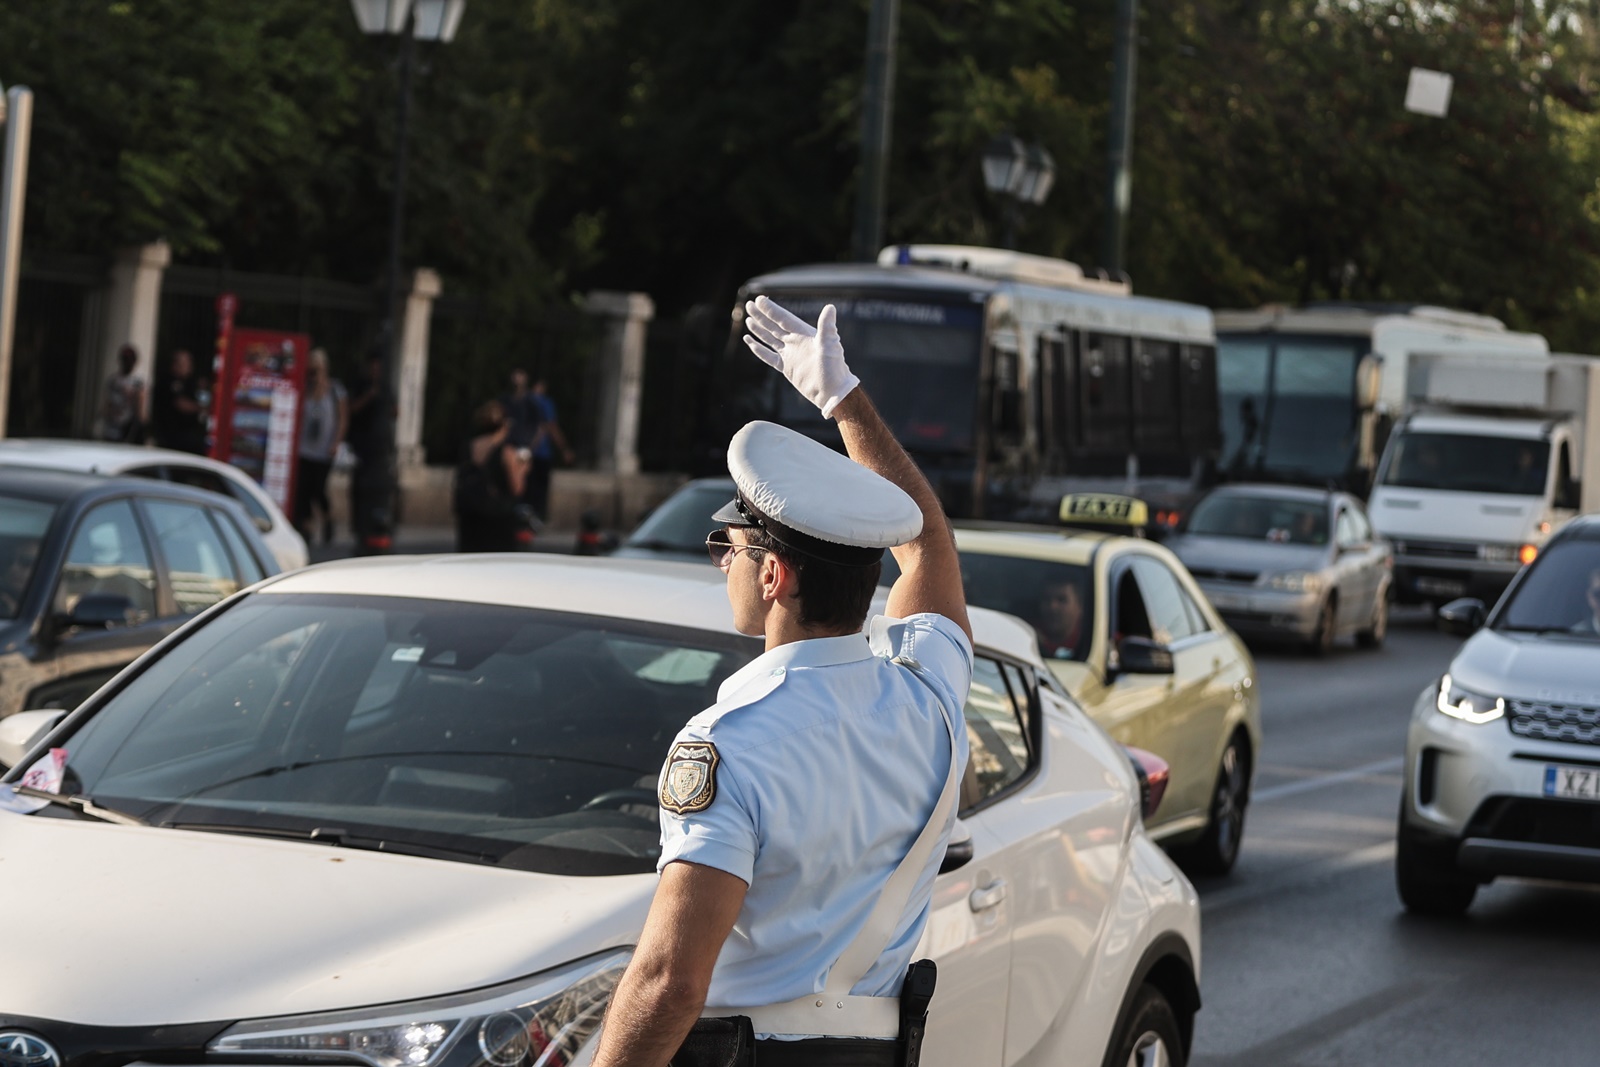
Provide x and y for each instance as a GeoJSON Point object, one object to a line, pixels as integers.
{"type": "Point", "coordinates": [812, 359]}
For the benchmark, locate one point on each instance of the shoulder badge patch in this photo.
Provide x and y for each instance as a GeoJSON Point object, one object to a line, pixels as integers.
{"type": "Point", "coordinates": [689, 784]}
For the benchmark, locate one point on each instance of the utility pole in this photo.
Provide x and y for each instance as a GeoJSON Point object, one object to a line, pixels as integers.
{"type": "Point", "coordinates": [18, 117]}
{"type": "Point", "coordinates": [1119, 142]}
{"type": "Point", "coordinates": [877, 105]}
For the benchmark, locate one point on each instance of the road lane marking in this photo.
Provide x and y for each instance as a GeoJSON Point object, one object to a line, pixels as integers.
{"type": "Point", "coordinates": [1306, 785]}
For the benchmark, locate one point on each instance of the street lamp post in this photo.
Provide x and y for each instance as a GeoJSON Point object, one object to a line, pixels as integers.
{"type": "Point", "coordinates": [1019, 174]}
{"type": "Point", "coordinates": [377, 477]}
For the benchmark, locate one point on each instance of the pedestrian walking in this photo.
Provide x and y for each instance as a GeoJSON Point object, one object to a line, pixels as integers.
{"type": "Point", "coordinates": [550, 439]}
{"type": "Point", "coordinates": [489, 479]}
{"type": "Point", "coordinates": [804, 815]}
{"type": "Point", "coordinates": [522, 410]}
{"type": "Point", "coordinates": [122, 409]}
{"type": "Point", "coordinates": [177, 407]}
{"type": "Point", "coordinates": [324, 414]}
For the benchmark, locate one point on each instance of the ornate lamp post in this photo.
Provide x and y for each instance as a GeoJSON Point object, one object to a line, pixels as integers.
{"type": "Point", "coordinates": [377, 478]}
{"type": "Point", "coordinates": [1019, 174]}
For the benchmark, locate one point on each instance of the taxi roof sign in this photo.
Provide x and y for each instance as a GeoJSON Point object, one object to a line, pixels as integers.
{"type": "Point", "coordinates": [1103, 509]}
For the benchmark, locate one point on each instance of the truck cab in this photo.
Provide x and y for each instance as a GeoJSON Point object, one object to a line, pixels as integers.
{"type": "Point", "coordinates": [1487, 464]}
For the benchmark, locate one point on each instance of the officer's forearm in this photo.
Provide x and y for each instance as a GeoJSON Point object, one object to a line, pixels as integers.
{"type": "Point", "coordinates": [649, 1017]}
{"type": "Point", "coordinates": [930, 569]}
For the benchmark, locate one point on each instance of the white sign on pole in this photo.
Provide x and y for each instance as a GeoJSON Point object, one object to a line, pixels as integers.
{"type": "Point", "coordinates": [1428, 92]}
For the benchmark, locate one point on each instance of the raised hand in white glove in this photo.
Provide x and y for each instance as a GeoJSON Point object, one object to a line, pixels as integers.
{"type": "Point", "coordinates": [812, 358]}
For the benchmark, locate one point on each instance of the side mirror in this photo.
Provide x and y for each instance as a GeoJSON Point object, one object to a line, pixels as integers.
{"type": "Point", "coordinates": [264, 525]}
{"type": "Point", "coordinates": [102, 611]}
{"type": "Point", "coordinates": [1462, 617]}
{"type": "Point", "coordinates": [20, 732]}
{"type": "Point", "coordinates": [1140, 655]}
{"type": "Point", "coordinates": [1569, 497]}
{"type": "Point", "coordinates": [959, 852]}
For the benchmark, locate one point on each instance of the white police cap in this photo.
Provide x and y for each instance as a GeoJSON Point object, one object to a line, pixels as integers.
{"type": "Point", "coordinates": [810, 498]}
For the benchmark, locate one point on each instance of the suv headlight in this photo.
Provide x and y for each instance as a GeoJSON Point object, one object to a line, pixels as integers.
{"type": "Point", "coordinates": [541, 1021]}
{"type": "Point", "coordinates": [1296, 581]}
{"type": "Point", "coordinates": [1464, 704]}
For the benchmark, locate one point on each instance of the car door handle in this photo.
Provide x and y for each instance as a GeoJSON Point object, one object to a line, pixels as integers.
{"type": "Point", "coordinates": [987, 897]}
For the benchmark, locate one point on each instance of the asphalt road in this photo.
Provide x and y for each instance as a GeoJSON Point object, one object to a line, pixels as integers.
{"type": "Point", "coordinates": [1308, 956]}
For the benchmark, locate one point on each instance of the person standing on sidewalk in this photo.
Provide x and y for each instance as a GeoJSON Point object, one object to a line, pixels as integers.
{"type": "Point", "coordinates": [122, 416]}
{"type": "Point", "coordinates": [804, 816]}
{"type": "Point", "coordinates": [323, 417]}
{"type": "Point", "coordinates": [550, 438]}
{"type": "Point", "coordinates": [177, 411]}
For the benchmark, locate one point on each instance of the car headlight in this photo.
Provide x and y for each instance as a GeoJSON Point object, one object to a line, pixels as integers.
{"type": "Point", "coordinates": [541, 1021]}
{"type": "Point", "coordinates": [1296, 581]}
{"type": "Point", "coordinates": [1464, 704]}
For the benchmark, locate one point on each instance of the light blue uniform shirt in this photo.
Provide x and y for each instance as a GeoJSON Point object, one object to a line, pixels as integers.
{"type": "Point", "coordinates": [828, 761]}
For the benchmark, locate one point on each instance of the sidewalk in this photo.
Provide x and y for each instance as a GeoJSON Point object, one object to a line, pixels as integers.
{"type": "Point", "coordinates": [424, 540]}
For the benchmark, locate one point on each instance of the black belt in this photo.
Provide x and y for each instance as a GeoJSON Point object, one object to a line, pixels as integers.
{"type": "Point", "coordinates": [827, 1052]}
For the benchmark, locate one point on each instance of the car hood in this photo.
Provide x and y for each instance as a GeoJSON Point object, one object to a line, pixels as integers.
{"type": "Point", "coordinates": [1202, 554]}
{"type": "Point", "coordinates": [1430, 514]}
{"type": "Point", "coordinates": [138, 926]}
{"type": "Point", "coordinates": [1561, 670]}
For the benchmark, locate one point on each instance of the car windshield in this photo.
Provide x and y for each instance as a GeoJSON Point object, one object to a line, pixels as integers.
{"type": "Point", "coordinates": [1056, 599]}
{"type": "Point", "coordinates": [683, 520]}
{"type": "Point", "coordinates": [1559, 594]}
{"type": "Point", "coordinates": [22, 527]}
{"type": "Point", "coordinates": [1468, 464]}
{"type": "Point", "coordinates": [509, 736]}
{"type": "Point", "coordinates": [1261, 518]}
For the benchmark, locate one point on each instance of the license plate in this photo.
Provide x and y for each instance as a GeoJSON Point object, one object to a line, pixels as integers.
{"type": "Point", "coordinates": [1227, 601]}
{"type": "Point", "coordinates": [1571, 783]}
{"type": "Point", "coordinates": [1442, 586]}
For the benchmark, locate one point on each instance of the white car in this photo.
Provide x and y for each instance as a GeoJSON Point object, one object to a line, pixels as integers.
{"type": "Point", "coordinates": [403, 811]}
{"type": "Point", "coordinates": [105, 457]}
{"type": "Point", "coordinates": [1503, 753]}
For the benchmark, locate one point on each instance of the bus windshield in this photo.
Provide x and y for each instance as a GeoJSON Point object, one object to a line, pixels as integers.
{"type": "Point", "coordinates": [1288, 405]}
{"type": "Point", "coordinates": [918, 360]}
{"type": "Point", "coordinates": [1465, 463]}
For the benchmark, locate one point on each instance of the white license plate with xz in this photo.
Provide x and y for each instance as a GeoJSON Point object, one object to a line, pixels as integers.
{"type": "Point", "coordinates": [1571, 783]}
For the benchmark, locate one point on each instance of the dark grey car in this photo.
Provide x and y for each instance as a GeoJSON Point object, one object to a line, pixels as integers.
{"type": "Point", "coordinates": [95, 570]}
{"type": "Point", "coordinates": [1290, 563]}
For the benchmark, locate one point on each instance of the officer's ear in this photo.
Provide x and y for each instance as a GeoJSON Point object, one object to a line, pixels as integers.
{"type": "Point", "coordinates": [779, 580]}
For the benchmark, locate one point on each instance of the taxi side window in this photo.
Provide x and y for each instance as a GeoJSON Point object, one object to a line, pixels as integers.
{"type": "Point", "coordinates": [1345, 532]}
{"type": "Point", "coordinates": [996, 733]}
{"type": "Point", "coordinates": [108, 556]}
{"type": "Point", "coordinates": [1132, 620]}
{"type": "Point", "coordinates": [198, 564]}
{"type": "Point", "coordinates": [1170, 618]}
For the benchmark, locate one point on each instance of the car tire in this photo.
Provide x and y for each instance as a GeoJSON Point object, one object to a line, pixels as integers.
{"type": "Point", "coordinates": [1218, 847]}
{"type": "Point", "coordinates": [1149, 1034]}
{"type": "Point", "coordinates": [1427, 880]}
{"type": "Point", "coordinates": [1373, 636]}
{"type": "Point", "coordinates": [1321, 642]}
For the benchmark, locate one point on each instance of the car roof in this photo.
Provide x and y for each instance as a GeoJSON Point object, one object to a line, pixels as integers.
{"type": "Point", "coordinates": [1066, 546]}
{"type": "Point", "coordinates": [59, 486]}
{"type": "Point", "coordinates": [108, 457]}
{"type": "Point", "coordinates": [1275, 491]}
{"type": "Point", "coordinates": [656, 591]}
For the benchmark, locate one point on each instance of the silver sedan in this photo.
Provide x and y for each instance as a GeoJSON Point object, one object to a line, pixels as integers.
{"type": "Point", "coordinates": [1290, 563]}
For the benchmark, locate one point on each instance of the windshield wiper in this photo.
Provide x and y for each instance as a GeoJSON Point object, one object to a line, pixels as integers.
{"type": "Point", "coordinates": [82, 804]}
{"type": "Point", "coordinates": [337, 837]}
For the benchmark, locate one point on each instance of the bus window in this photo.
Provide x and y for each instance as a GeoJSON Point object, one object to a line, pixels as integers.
{"type": "Point", "coordinates": [1103, 405]}
{"type": "Point", "coordinates": [1005, 396]}
{"type": "Point", "coordinates": [1155, 398]}
{"type": "Point", "coordinates": [1197, 400]}
{"type": "Point", "coordinates": [1242, 375]}
{"type": "Point", "coordinates": [1311, 427]}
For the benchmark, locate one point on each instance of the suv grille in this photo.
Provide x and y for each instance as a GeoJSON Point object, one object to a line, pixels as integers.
{"type": "Point", "coordinates": [1217, 574]}
{"type": "Point", "coordinates": [1554, 722]}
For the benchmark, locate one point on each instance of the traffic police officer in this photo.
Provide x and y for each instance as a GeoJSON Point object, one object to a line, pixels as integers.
{"type": "Point", "coordinates": [805, 814]}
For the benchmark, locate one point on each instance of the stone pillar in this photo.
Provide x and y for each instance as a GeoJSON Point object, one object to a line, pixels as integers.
{"type": "Point", "coordinates": [621, 376]}
{"type": "Point", "coordinates": [414, 323]}
{"type": "Point", "coordinates": [130, 315]}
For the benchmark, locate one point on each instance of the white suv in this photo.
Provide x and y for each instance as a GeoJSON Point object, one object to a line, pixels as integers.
{"type": "Point", "coordinates": [1503, 754]}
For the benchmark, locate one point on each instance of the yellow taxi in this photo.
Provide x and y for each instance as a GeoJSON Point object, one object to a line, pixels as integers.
{"type": "Point", "coordinates": [1129, 635]}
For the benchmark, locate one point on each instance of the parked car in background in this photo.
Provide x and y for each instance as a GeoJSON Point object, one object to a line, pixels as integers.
{"type": "Point", "coordinates": [1503, 754]}
{"type": "Point", "coordinates": [1286, 563]}
{"type": "Point", "coordinates": [410, 805]}
{"type": "Point", "coordinates": [1129, 635]}
{"type": "Point", "coordinates": [678, 527]}
{"type": "Point", "coordinates": [168, 465]}
{"type": "Point", "coordinates": [95, 570]}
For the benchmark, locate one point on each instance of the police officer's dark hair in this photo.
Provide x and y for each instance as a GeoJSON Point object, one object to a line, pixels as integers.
{"type": "Point", "coordinates": [832, 595]}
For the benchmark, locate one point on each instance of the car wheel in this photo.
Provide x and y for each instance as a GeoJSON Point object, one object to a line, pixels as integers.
{"type": "Point", "coordinates": [1218, 847]}
{"type": "Point", "coordinates": [1372, 636]}
{"type": "Point", "coordinates": [1428, 882]}
{"type": "Point", "coordinates": [1149, 1036]}
{"type": "Point", "coordinates": [1321, 642]}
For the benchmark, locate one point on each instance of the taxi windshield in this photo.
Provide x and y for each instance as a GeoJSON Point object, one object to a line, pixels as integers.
{"type": "Point", "coordinates": [508, 736]}
{"type": "Point", "coordinates": [1261, 518]}
{"type": "Point", "coordinates": [22, 527]}
{"type": "Point", "coordinates": [1056, 599]}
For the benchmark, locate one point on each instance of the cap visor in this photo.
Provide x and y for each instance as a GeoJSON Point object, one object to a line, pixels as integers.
{"type": "Point", "coordinates": [730, 515]}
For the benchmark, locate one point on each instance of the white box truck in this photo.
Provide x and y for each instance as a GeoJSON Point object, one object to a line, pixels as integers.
{"type": "Point", "coordinates": [1495, 452]}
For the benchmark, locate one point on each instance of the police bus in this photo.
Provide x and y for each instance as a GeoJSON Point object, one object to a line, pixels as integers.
{"type": "Point", "coordinates": [1012, 379]}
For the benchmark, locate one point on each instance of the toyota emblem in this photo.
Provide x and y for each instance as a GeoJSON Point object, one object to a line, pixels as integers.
{"type": "Point", "coordinates": [18, 1049]}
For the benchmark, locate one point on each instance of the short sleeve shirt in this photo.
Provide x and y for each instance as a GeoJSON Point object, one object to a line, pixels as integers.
{"type": "Point", "coordinates": [819, 765]}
